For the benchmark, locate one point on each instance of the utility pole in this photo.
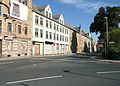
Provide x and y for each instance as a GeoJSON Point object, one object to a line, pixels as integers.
{"type": "Point", "coordinates": [107, 41]}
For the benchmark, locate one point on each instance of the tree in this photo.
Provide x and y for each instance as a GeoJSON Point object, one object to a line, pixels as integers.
{"type": "Point", "coordinates": [113, 14]}
{"type": "Point", "coordinates": [114, 48]}
{"type": "Point", "coordinates": [74, 43]}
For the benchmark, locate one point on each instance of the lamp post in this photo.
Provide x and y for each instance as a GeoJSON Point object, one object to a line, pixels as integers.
{"type": "Point", "coordinates": [107, 41]}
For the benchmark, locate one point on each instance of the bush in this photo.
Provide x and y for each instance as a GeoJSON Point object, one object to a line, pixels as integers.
{"type": "Point", "coordinates": [114, 49]}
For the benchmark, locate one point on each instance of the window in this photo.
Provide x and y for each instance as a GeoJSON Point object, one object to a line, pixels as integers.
{"type": "Point", "coordinates": [0, 26]}
{"type": "Point", "coordinates": [57, 37]}
{"type": "Point", "coordinates": [19, 28]}
{"type": "Point", "coordinates": [67, 31]}
{"type": "Point", "coordinates": [46, 13]}
{"type": "Point", "coordinates": [9, 27]}
{"type": "Point", "coordinates": [63, 30]}
{"type": "Point", "coordinates": [54, 26]}
{"type": "Point", "coordinates": [16, 10]}
{"type": "Point", "coordinates": [67, 39]}
{"type": "Point", "coordinates": [57, 28]}
{"type": "Point", "coordinates": [20, 0]}
{"type": "Point", "coordinates": [41, 33]}
{"type": "Point", "coordinates": [63, 38]}
{"type": "Point", "coordinates": [54, 36]}
{"type": "Point", "coordinates": [60, 29]}
{"type": "Point", "coordinates": [25, 2]}
{"type": "Point", "coordinates": [50, 25]}
{"type": "Point", "coordinates": [46, 23]}
{"type": "Point", "coordinates": [49, 15]}
{"type": "Point", "coordinates": [60, 37]}
{"type": "Point", "coordinates": [61, 21]}
{"type": "Point", "coordinates": [26, 30]}
{"type": "Point", "coordinates": [46, 34]}
{"type": "Point", "coordinates": [36, 32]}
{"type": "Point", "coordinates": [0, 9]}
{"type": "Point", "coordinates": [41, 21]}
{"type": "Point", "coordinates": [36, 19]}
{"type": "Point", "coordinates": [50, 35]}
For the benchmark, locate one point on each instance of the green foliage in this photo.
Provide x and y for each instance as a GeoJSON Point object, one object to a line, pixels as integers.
{"type": "Point", "coordinates": [74, 43]}
{"type": "Point", "coordinates": [115, 37]}
{"type": "Point", "coordinates": [114, 48]}
{"type": "Point", "coordinates": [113, 14]}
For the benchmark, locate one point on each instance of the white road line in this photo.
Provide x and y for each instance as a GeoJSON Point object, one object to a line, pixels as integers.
{"type": "Point", "coordinates": [6, 63]}
{"type": "Point", "coordinates": [107, 72]}
{"type": "Point", "coordinates": [55, 61]}
{"type": "Point", "coordinates": [35, 79]}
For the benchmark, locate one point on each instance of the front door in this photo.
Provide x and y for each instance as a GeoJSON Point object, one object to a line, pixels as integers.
{"type": "Point", "coordinates": [37, 49]}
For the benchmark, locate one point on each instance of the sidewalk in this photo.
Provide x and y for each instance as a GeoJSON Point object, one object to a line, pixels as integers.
{"type": "Point", "coordinates": [12, 58]}
{"type": "Point", "coordinates": [110, 61]}
{"type": "Point", "coordinates": [54, 56]}
{"type": "Point", "coordinates": [25, 57]}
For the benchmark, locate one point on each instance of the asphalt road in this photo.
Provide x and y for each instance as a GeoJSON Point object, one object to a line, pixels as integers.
{"type": "Point", "coordinates": [58, 71]}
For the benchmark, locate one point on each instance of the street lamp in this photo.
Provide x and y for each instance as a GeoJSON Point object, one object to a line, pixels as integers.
{"type": "Point", "coordinates": [107, 43]}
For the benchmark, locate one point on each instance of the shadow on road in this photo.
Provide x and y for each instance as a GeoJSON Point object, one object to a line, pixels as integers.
{"type": "Point", "coordinates": [81, 74]}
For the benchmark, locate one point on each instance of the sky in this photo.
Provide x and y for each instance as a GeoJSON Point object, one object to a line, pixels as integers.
{"type": "Point", "coordinates": [77, 12]}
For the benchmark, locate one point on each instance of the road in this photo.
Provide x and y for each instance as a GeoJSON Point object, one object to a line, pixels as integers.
{"type": "Point", "coordinates": [58, 71]}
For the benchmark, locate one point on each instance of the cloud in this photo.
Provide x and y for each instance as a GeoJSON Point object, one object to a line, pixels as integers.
{"type": "Point", "coordinates": [89, 6]}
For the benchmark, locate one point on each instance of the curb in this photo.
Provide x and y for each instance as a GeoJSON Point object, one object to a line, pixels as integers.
{"type": "Point", "coordinates": [110, 61]}
{"type": "Point", "coordinates": [14, 58]}
{"type": "Point", "coordinates": [27, 57]}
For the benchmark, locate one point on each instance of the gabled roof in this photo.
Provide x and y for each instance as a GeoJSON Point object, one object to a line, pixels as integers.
{"type": "Point", "coordinates": [56, 16]}
{"type": "Point", "coordinates": [43, 7]}
{"type": "Point", "coordinates": [35, 8]}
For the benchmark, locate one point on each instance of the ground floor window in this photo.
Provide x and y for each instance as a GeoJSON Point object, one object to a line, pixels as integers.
{"type": "Point", "coordinates": [9, 45]}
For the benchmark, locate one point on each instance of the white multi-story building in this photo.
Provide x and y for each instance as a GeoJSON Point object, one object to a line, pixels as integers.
{"type": "Point", "coordinates": [49, 34]}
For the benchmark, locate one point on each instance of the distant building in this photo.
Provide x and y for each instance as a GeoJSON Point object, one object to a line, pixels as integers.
{"type": "Point", "coordinates": [86, 43]}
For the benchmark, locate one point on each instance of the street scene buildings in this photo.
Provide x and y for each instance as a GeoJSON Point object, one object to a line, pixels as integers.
{"type": "Point", "coordinates": [26, 29]}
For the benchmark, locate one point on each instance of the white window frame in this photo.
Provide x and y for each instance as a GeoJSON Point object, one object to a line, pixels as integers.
{"type": "Point", "coordinates": [36, 32]}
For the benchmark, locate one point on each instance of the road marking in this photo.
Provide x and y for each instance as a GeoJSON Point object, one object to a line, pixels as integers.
{"type": "Point", "coordinates": [34, 64]}
{"type": "Point", "coordinates": [35, 79]}
{"type": "Point", "coordinates": [6, 63]}
{"type": "Point", "coordinates": [55, 61]}
{"type": "Point", "coordinates": [108, 72]}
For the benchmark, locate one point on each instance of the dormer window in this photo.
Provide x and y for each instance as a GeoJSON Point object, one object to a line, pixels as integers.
{"type": "Point", "coordinates": [46, 13]}
{"type": "Point", "coordinates": [20, 0]}
{"type": "Point", "coordinates": [61, 21]}
{"type": "Point", "coordinates": [49, 15]}
{"type": "Point", "coordinates": [25, 2]}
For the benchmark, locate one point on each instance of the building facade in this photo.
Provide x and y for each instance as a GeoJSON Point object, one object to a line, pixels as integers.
{"type": "Point", "coordinates": [50, 35]}
{"type": "Point", "coordinates": [15, 27]}
{"type": "Point", "coordinates": [85, 42]}
{"type": "Point", "coordinates": [31, 30]}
